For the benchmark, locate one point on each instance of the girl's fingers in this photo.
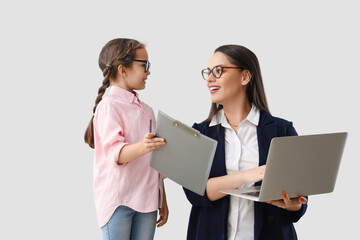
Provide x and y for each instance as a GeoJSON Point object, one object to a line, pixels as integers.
{"type": "Point", "coordinates": [158, 139]}
{"type": "Point", "coordinates": [149, 135]}
{"type": "Point", "coordinates": [161, 221]}
{"type": "Point", "coordinates": [149, 140]}
{"type": "Point", "coordinates": [154, 142]}
{"type": "Point", "coordinates": [151, 144]}
{"type": "Point", "coordinates": [155, 145]}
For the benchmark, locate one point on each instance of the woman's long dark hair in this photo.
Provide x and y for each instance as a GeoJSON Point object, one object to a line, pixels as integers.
{"type": "Point", "coordinates": [114, 53]}
{"type": "Point", "coordinates": [245, 59]}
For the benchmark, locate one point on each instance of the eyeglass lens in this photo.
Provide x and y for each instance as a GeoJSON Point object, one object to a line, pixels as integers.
{"type": "Point", "coordinates": [216, 71]}
{"type": "Point", "coordinates": [147, 66]}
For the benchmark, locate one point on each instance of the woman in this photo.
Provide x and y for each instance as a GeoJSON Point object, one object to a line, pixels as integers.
{"type": "Point", "coordinates": [240, 121]}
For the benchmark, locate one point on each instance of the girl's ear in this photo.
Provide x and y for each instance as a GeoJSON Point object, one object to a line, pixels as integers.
{"type": "Point", "coordinates": [121, 70]}
{"type": "Point", "coordinates": [246, 77]}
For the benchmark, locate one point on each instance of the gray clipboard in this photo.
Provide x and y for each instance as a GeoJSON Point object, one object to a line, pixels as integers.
{"type": "Point", "coordinates": [187, 156]}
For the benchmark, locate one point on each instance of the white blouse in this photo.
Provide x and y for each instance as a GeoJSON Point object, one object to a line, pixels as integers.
{"type": "Point", "coordinates": [241, 153]}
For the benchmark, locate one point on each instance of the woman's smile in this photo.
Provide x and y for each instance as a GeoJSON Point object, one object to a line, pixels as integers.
{"type": "Point", "coordinates": [214, 89]}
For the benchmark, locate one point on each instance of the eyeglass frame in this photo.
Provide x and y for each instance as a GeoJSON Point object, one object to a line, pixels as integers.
{"type": "Point", "coordinates": [147, 63]}
{"type": "Point", "coordinates": [212, 71]}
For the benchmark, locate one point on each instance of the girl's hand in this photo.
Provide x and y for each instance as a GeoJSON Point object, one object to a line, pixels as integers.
{"type": "Point", "coordinates": [132, 151]}
{"type": "Point", "coordinates": [163, 212]}
{"type": "Point", "coordinates": [150, 143]}
{"type": "Point", "coordinates": [254, 174]}
{"type": "Point", "coordinates": [290, 204]}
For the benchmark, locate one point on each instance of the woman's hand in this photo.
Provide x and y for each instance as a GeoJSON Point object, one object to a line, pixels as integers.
{"type": "Point", "coordinates": [151, 143]}
{"type": "Point", "coordinates": [290, 204]}
{"type": "Point", "coordinates": [232, 181]}
{"type": "Point", "coordinates": [253, 174]}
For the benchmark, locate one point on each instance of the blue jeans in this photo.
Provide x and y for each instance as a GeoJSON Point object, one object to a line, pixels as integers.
{"type": "Point", "coordinates": [128, 224]}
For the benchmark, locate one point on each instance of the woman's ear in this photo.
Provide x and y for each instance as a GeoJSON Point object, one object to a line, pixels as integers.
{"type": "Point", "coordinates": [121, 70]}
{"type": "Point", "coordinates": [246, 77]}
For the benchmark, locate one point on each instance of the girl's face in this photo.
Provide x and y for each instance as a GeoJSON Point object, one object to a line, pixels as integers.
{"type": "Point", "coordinates": [134, 77]}
{"type": "Point", "coordinates": [230, 85]}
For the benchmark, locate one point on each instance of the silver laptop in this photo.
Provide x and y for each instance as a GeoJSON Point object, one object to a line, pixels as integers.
{"type": "Point", "coordinates": [298, 166]}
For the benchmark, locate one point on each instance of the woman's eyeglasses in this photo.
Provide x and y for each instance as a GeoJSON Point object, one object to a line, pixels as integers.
{"type": "Point", "coordinates": [216, 71]}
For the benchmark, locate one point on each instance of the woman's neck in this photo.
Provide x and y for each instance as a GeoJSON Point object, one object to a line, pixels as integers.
{"type": "Point", "coordinates": [235, 112]}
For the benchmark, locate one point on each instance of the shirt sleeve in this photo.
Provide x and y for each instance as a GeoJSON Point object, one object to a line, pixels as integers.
{"type": "Point", "coordinates": [110, 130]}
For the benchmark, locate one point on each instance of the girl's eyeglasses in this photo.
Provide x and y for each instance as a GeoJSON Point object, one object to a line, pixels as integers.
{"type": "Point", "coordinates": [146, 66]}
{"type": "Point", "coordinates": [216, 71]}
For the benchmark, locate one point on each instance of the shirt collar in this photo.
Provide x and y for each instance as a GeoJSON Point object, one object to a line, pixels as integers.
{"type": "Point", "coordinates": [254, 115]}
{"type": "Point", "coordinates": [131, 97]}
{"type": "Point", "coordinates": [220, 118]}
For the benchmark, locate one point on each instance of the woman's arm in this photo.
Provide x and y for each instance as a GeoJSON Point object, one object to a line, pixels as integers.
{"type": "Point", "coordinates": [132, 151]}
{"type": "Point", "coordinates": [232, 181]}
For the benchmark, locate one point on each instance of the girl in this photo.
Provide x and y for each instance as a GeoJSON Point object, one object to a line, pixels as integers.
{"type": "Point", "coordinates": [127, 191]}
{"type": "Point", "coordinates": [241, 122]}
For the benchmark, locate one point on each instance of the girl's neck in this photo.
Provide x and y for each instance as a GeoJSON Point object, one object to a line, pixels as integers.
{"type": "Point", "coordinates": [235, 112]}
{"type": "Point", "coordinates": [120, 86]}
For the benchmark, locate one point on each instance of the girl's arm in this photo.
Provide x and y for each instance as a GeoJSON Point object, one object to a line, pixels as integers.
{"type": "Point", "coordinates": [132, 151]}
{"type": "Point", "coordinates": [232, 181]}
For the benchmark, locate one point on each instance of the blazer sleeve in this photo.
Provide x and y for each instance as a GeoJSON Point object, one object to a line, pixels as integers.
{"type": "Point", "coordinates": [295, 216]}
{"type": "Point", "coordinates": [194, 198]}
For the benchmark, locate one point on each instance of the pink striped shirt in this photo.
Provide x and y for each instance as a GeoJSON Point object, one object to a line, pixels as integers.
{"type": "Point", "coordinates": [120, 119]}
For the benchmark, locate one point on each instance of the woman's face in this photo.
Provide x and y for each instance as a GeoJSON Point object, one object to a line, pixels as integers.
{"type": "Point", "coordinates": [135, 76]}
{"type": "Point", "coordinates": [230, 85]}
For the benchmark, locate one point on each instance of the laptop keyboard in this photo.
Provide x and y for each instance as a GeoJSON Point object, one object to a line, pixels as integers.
{"type": "Point", "coordinates": [255, 194]}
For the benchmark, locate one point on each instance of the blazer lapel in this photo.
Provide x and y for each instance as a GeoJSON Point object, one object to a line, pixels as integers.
{"type": "Point", "coordinates": [266, 131]}
{"type": "Point", "coordinates": [218, 167]}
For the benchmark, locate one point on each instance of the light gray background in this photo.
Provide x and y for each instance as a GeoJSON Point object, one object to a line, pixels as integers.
{"type": "Point", "coordinates": [308, 52]}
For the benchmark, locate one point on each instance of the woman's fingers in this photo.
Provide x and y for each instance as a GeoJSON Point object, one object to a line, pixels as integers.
{"type": "Point", "coordinates": [286, 199]}
{"type": "Point", "coordinates": [302, 200]}
{"type": "Point", "coordinates": [290, 204]}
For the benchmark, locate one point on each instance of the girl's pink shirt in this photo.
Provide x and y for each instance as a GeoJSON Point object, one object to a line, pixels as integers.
{"type": "Point", "coordinates": [120, 119]}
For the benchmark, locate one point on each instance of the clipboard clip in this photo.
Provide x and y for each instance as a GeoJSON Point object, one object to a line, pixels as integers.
{"type": "Point", "coordinates": [192, 131]}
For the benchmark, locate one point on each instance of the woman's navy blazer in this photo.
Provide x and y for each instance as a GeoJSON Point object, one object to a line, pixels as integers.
{"type": "Point", "coordinates": [208, 219]}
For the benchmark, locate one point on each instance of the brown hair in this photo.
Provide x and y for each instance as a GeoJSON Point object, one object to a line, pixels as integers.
{"type": "Point", "coordinates": [116, 52]}
{"type": "Point", "coordinates": [245, 60]}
